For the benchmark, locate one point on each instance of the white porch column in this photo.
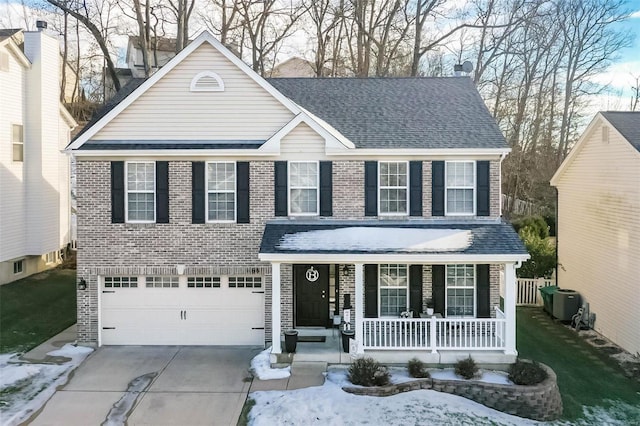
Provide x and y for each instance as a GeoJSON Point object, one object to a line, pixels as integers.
{"type": "Point", "coordinates": [275, 309]}
{"type": "Point", "coordinates": [359, 281]}
{"type": "Point", "coordinates": [510, 308]}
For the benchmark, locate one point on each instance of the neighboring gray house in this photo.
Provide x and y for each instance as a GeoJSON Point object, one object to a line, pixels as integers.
{"type": "Point", "coordinates": [219, 208]}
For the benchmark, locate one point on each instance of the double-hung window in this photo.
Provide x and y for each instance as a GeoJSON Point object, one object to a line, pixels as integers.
{"type": "Point", "coordinates": [461, 291]}
{"type": "Point", "coordinates": [17, 137]}
{"type": "Point", "coordinates": [394, 290]}
{"type": "Point", "coordinates": [303, 188]}
{"type": "Point", "coordinates": [393, 181]}
{"type": "Point", "coordinates": [460, 182]}
{"type": "Point", "coordinates": [141, 191]}
{"type": "Point", "coordinates": [221, 191]}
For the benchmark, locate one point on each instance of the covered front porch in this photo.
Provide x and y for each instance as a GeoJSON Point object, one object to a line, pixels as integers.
{"type": "Point", "coordinates": [384, 297]}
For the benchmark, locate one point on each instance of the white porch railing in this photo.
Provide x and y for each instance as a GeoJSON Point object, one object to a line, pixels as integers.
{"type": "Point", "coordinates": [435, 333]}
{"type": "Point", "coordinates": [528, 293]}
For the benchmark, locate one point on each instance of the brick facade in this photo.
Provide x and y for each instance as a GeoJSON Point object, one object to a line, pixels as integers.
{"type": "Point", "coordinates": [216, 249]}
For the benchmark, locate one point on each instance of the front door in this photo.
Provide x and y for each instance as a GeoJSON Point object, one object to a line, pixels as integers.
{"type": "Point", "coordinates": [311, 284]}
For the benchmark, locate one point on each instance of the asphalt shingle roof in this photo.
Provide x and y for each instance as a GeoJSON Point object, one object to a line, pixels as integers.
{"type": "Point", "coordinates": [443, 112]}
{"type": "Point", "coordinates": [627, 123]}
{"type": "Point", "coordinates": [492, 238]}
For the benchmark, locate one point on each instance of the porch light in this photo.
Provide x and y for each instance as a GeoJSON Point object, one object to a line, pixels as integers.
{"type": "Point", "coordinates": [345, 271]}
{"type": "Point", "coordinates": [82, 284]}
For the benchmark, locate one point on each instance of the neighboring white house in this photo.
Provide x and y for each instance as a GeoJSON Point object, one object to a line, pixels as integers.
{"type": "Point", "coordinates": [34, 174]}
{"type": "Point", "coordinates": [599, 224]}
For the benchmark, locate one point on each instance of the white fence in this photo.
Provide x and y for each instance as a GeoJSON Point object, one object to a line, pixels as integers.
{"type": "Point", "coordinates": [435, 333]}
{"type": "Point", "coordinates": [528, 293]}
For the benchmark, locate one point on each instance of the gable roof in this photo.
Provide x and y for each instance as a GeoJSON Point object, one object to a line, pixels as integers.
{"type": "Point", "coordinates": [627, 123]}
{"type": "Point", "coordinates": [427, 113]}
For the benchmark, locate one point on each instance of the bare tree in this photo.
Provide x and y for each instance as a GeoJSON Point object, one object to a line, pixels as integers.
{"type": "Point", "coordinates": [182, 10]}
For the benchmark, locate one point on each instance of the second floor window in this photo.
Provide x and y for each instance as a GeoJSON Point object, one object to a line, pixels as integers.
{"type": "Point", "coordinates": [303, 188]}
{"type": "Point", "coordinates": [393, 187]}
{"type": "Point", "coordinates": [17, 137]}
{"type": "Point", "coordinates": [460, 183]}
{"type": "Point", "coordinates": [141, 191]}
{"type": "Point", "coordinates": [221, 192]}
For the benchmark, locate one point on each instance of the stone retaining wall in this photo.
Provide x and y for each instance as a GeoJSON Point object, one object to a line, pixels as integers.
{"type": "Point", "coordinates": [537, 402]}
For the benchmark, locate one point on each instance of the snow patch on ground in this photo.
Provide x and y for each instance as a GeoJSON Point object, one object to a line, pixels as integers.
{"type": "Point", "coordinates": [26, 387]}
{"type": "Point", "coordinates": [369, 239]}
{"type": "Point", "coordinates": [261, 367]}
{"type": "Point", "coordinates": [329, 404]}
{"type": "Point", "coordinates": [498, 377]}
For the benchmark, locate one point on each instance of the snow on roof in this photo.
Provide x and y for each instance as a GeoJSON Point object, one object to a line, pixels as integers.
{"type": "Point", "coordinates": [378, 239]}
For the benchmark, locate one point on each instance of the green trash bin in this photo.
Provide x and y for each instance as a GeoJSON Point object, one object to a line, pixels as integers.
{"type": "Point", "coordinates": [547, 297]}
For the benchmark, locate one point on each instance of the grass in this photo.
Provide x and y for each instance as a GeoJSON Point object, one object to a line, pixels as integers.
{"type": "Point", "coordinates": [243, 420]}
{"type": "Point", "coordinates": [586, 376]}
{"type": "Point", "coordinates": [36, 308]}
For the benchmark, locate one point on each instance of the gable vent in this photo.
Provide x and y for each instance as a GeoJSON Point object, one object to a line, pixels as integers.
{"type": "Point", "coordinates": [207, 81]}
{"type": "Point", "coordinates": [4, 61]}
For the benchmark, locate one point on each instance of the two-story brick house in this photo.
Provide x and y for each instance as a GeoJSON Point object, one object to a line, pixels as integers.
{"type": "Point", "coordinates": [219, 208]}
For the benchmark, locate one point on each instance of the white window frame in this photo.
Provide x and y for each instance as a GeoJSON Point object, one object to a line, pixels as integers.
{"type": "Point", "coordinates": [50, 257]}
{"type": "Point", "coordinates": [126, 191]}
{"type": "Point", "coordinates": [226, 191]}
{"type": "Point", "coordinates": [317, 188]}
{"type": "Point", "coordinates": [20, 264]}
{"type": "Point", "coordinates": [253, 279]}
{"type": "Point", "coordinates": [475, 291]}
{"type": "Point", "coordinates": [109, 281]}
{"type": "Point", "coordinates": [162, 281]}
{"type": "Point", "coordinates": [213, 281]}
{"type": "Point", "coordinates": [406, 187]}
{"type": "Point", "coordinates": [474, 188]}
{"type": "Point", "coordinates": [380, 286]}
{"type": "Point", "coordinates": [14, 143]}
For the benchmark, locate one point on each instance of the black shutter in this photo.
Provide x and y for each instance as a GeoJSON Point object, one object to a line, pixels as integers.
{"type": "Point", "coordinates": [197, 192]}
{"type": "Point", "coordinates": [437, 188]}
{"type": "Point", "coordinates": [415, 188]}
{"type": "Point", "coordinates": [280, 180]}
{"type": "Point", "coordinates": [370, 291]}
{"type": "Point", "coordinates": [370, 188]}
{"type": "Point", "coordinates": [117, 192]}
{"type": "Point", "coordinates": [326, 188]}
{"type": "Point", "coordinates": [415, 288]}
{"type": "Point", "coordinates": [242, 190]}
{"type": "Point", "coordinates": [482, 180]}
{"type": "Point", "coordinates": [483, 293]}
{"type": "Point", "coordinates": [437, 288]}
{"type": "Point", "coordinates": [162, 192]}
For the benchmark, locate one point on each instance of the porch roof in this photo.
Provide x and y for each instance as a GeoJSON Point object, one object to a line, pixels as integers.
{"type": "Point", "coordinates": [384, 240]}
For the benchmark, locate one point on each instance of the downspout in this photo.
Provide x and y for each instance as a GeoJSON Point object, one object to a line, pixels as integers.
{"type": "Point", "coordinates": [557, 229]}
{"type": "Point", "coordinates": [502, 157]}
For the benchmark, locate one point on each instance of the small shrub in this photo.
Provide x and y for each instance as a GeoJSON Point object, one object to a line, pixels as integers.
{"type": "Point", "coordinates": [368, 372]}
{"type": "Point", "coordinates": [467, 368]}
{"type": "Point", "coordinates": [526, 373]}
{"type": "Point", "coordinates": [417, 369]}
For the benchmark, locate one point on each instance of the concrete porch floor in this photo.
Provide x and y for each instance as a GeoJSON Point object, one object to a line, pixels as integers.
{"type": "Point", "coordinates": [330, 351]}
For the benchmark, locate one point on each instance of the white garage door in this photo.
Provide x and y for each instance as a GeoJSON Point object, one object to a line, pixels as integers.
{"type": "Point", "coordinates": [182, 311]}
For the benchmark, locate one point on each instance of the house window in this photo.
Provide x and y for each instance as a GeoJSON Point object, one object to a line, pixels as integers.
{"type": "Point", "coordinates": [221, 192]}
{"type": "Point", "coordinates": [120, 282]}
{"type": "Point", "coordinates": [51, 257]}
{"type": "Point", "coordinates": [203, 282]}
{"type": "Point", "coordinates": [18, 266]}
{"type": "Point", "coordinates": [161, 282]}
{"type": "Point", "coordinates": [17, 137]}
{"type": "Point", "coordinates": [303, 188]}
{"type": "Point", "coordinates": [245, 282]}
{"type": "Point", "coordinates": [393, 191]}
{"type": "Point", "coordinates": [141, 191]}
{"type": "Point", "coordinates": [461, 291]}
{"type": "Point", "coordinates": [394, 284]}
{"type": "Point", "coordinates": [460, 187]}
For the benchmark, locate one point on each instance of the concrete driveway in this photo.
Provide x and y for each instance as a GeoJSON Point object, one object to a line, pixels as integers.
{"type": "Point", "coordinates": [193, 386]}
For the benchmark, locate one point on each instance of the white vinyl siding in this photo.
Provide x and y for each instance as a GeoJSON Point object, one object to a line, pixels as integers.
{"type": "Point", "coordinates": [393, 187]}
{"type": "Point", "coordinates": [393, 290]}
{"type": "Point", "coordinates": [304, 189]}
{"type": "Point", "coordinates": [140, 192]}
{"type": "Point", "coordinates": [460, 289]}
{"type": "Point", "coordinates": [221, 192]}
{"type": "Point", "coordinates": [302, 143]}
{"type": "Point", "coordinates": [460, 188]}
{"type": "Point", "coordinates": [599, 236]}
{"type": "Point", "coordinates": [170, 110]}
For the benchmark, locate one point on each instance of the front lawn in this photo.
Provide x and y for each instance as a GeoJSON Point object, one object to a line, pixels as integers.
{"type": "Point", "coordinates": [36, 308]}
{"type": "Point", "coordinates": [586, 376]}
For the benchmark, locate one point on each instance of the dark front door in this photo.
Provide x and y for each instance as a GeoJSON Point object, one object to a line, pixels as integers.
{"type": "Point", "coordinates": [311, 286]}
